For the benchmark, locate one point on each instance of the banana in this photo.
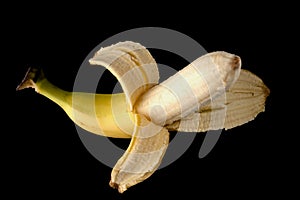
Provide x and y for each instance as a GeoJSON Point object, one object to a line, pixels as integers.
{"type": "Point", "coordinates": [210, 93]}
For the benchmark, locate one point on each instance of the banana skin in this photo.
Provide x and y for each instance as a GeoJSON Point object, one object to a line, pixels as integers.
{"type": "Point", "coordinates": [101, 114]}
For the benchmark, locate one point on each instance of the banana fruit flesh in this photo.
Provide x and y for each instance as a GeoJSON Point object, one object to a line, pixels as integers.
{"type": "Point", "coordinates": [191, 87]}
{"type": "Point", "coordinates": [210, 93]}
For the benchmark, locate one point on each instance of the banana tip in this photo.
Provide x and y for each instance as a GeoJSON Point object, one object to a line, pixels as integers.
{"type": "Point", "coordinates": [266, 91]}
{"type": "Point", "coordinates": [117, 186]}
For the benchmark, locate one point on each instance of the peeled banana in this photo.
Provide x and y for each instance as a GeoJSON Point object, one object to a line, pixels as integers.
{"type": "Point", "coordinates": [210, 93]}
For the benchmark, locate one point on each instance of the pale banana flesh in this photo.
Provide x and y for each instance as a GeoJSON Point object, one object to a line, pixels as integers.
{"type": "Point", "coordinates": [210, 93]}
{"type": "Point", "coordinates": [187, 90]}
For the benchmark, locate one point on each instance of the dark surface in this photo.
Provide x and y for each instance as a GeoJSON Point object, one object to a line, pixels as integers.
{"type": "Point", "coordinates": [52, 160]}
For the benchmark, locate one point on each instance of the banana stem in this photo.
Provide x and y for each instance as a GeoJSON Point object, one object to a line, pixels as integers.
{"type": "Point", "coordinates": [31, 76]}
{"type": "Point", "coordinates": [35, 79]}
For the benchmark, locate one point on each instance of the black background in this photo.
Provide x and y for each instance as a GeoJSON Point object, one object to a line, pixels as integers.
{"type": "Point", "coordinates": [52, 161]}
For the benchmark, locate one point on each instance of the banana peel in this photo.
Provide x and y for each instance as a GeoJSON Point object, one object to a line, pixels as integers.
{"type": "Point", "coordinates": [210, 93]}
